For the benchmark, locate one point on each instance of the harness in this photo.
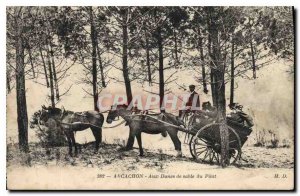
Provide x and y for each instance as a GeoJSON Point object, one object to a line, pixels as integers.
{"type": "Point", "coordinates": [104, 127]}
{"type": "Point", "coordinates": [64, 112]}
{"type": "Point", "coordinates": [142, 113]}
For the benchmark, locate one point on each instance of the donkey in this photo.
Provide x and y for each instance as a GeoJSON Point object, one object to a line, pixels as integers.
{"type": "Point", "coordinates": [146, 124]}
{"type": "Point", "coordinates": [71, 122]}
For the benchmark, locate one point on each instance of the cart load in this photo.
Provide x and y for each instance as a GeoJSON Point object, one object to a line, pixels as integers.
{"type": "Point", "coordinates": [205, 144]}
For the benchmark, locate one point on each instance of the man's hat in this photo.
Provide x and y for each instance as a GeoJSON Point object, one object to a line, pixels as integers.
{"type": "Point", "coordinates": [192, 86]}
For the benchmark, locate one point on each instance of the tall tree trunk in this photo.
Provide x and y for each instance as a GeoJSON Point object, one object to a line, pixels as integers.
{"type": "Point", "coordinates": [161, 71]}
{"type": "Point", "coordinates": [220, 85]}
{"type": "Point", "coordinates": [214, 93]}
{"type": "Point", "coordinates": [21, 93]}
{"type": "Point", "coordinates": [101, 67]}
{"type": "Point", "coordinates": [204, 84]}
{"type": "Point", "coordinates": [232, 74]}
{"type": "Point", "coordinates": [31, 61]}
{"type": "Point", "coordinates": [219, 71]}
{"type": "Point", "coordinates": [94, 60]}
{"type": "Point", "coordinates": [125, 59]}
{"type": "Point", "coordinates": [176, 47]}
{"type": "Point", "coordinates": [51, 80]}
{"type": "Point", "coordinates": [54, 72]}
{"type": "Point", "coordinates": [8, 81]}
{"type": "Point", "coordinates": [213, 86]}
{"type": "Point", "coordinates": [148, 62]}
{"type": "Point", "coordinates": [44, 65]}
{"type": "Point", "coordinates": [253, 60]}
{"type": "Point", "coordinates": [212, 69]}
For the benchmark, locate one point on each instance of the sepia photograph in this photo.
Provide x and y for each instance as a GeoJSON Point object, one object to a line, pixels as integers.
{"type": "Point", "coordinates": [150, 98]}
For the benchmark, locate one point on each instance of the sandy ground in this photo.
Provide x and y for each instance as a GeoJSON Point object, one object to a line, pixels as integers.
{"type": "Point", "coordinates": [252, 157]}
{"type": "Point", "coordinates": [55, 169]}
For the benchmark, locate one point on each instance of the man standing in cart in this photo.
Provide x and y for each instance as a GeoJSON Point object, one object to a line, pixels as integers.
{"type": "Point", "coordinates": [192, 104]}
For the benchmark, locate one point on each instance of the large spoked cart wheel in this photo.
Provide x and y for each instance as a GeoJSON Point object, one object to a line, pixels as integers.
{"type": "Point", "coordinates": [205, 145]}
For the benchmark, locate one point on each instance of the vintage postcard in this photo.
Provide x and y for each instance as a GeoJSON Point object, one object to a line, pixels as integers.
{"type": "Point", "coordinates": [150, 98]}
